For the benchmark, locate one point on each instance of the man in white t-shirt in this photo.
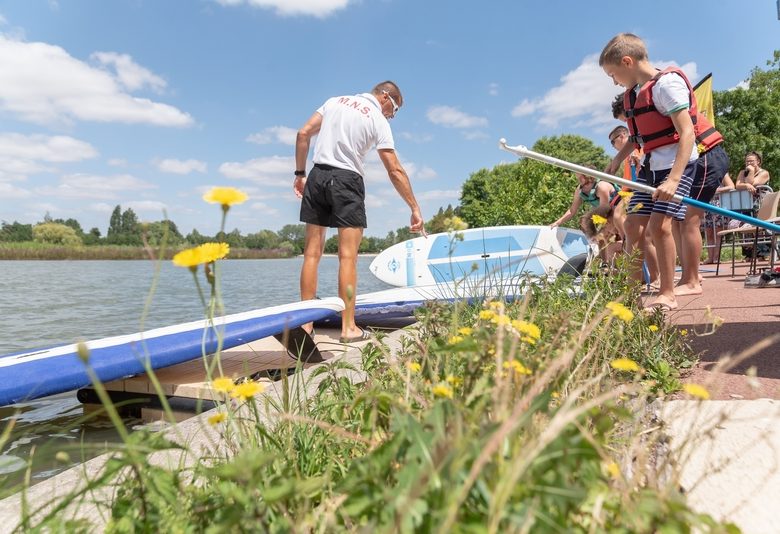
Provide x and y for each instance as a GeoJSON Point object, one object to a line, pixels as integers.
{"type": "Point", "coordinates": [658, 107]}
{"type": "Point", "coordinates": [334, 194]}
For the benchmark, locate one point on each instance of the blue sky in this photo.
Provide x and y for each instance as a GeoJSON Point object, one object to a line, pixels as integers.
{"type": "Point", "coordinates": [148, 103]}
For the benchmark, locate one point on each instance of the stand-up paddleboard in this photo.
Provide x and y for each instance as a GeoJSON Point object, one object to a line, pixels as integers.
{"type": "Point", "coordinates": [32, 374]}
{"type": "Point", "coordinates": [496, 252]}
{"type": "Point", "coordinates": [381, 308]}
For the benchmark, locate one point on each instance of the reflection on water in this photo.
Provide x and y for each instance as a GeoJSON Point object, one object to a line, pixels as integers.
{"type": "Point", "coordinates": [48, 303]}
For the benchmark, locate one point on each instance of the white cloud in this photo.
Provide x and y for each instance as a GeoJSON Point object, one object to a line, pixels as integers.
{"type": "Point", "coordinates": [472, 135]}
{"type": "Point", "coordinates": [55, 149]}
{"type": "Point", "coordinates": [130, 74]}
{"type": "Point", "coordinates": [275, 171]}
{"type": "Point", "coordinates": [147, 206]}
{"type": "Point", "coordinates": [94, 186]}
{"type": "Point", "coordinates": [100, 207]}
{"type": "Point", "coordinates": [583, 97]}
{"type": "Point", "coordinates": [262, 209]}
{"type": "Point", "coordinates": [177, 166]}
{"type": "Point", "coordinates": [275, 134]}
{"type": "Point", "coordinates": [316, 8]}
{"type": "Point", "coordinates": [42, 83]}
{"type": "Point", "coordinates": [493, 89]}
{"type": "Point", "coordinates": [375, 171]}
{"type": "Point", "coordinates": [451, 117]}
{"type": "Point", "coordinates": [9, 191]}
{"type": "Point", "coordinates": [117, 162]}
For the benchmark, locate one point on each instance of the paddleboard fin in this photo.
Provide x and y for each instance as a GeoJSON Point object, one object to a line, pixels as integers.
{"type": "Point", "coordinates": [300, 345]}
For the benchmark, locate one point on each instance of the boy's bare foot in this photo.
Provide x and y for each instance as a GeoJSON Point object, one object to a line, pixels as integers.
{"type": "Point", "coordinates": [687, 289]}
{"type": "Point", "coordinates": [663, 303]}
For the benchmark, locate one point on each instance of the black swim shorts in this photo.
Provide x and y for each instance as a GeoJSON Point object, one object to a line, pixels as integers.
{"type": "Point", "coordinates": [711, 167]}
{"type": "Point", "coordinates": [334, 198]}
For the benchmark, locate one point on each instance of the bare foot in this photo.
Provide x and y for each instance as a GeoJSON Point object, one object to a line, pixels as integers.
{"type": "Point", "coordinates": [687, 289]}
{"type": "Point", "coordinates": [663, 303]}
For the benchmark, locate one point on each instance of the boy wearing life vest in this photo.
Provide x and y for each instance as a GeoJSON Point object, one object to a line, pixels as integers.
{"type": "Point", "coordinates": [659, 119]}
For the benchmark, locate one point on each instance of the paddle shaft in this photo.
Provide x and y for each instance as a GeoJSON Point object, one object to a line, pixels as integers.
{"type": "Point", "coordinates": [522, 151]}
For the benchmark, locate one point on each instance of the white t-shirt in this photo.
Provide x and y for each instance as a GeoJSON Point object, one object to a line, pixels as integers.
{"type": "Point", "coordinates": [670, 94]}
{"type": "Point", "coordinates": [351, 126]}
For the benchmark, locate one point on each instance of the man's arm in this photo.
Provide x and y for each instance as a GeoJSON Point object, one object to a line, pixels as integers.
{"type": "Point", "coordinates": [401, 182]}
{"type": "Point", "coordinates": [684, 126]}
{"type": "Point", "coordinates": [302, 142]}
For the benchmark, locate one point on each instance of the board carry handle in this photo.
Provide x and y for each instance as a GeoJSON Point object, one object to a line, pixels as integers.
{"type": "Point", "coordinates": [523, 152]}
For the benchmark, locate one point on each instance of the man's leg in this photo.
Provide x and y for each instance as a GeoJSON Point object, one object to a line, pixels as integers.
{"type": "Point", "coordinates": [660, 228]}
{"type": "Point", "coordinates": [349, 243]}
{"type": "Point", "coordinates": [312, 252]}
{"type": "Point", "coordinates": [691, 243]}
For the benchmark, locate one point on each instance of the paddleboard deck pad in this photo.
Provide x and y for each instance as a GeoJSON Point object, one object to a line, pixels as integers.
{"type": "Point", "coordinates": [38, 373]}
{"type": "Point", "coordinates": [496, 253]}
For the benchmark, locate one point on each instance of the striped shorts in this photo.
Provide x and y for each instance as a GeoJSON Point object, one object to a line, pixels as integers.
{"type": "Point", "coordinates": [642, 203]}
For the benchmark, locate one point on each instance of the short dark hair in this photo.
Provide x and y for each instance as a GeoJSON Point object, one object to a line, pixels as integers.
{"type": "Point", "coordinates": [391, 88]}
{"type": "Point", "coordinates": [623, 44]}
{"type": "Point", "coordinates": [756, 154]}
{"type": "Point", "coordinates": [618, 108]}
{"type": "Point", "coordinates": [616, 131]}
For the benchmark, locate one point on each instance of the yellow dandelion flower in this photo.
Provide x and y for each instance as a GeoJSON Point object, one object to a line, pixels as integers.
{"type": "Point", "coordinates": [653, 328]}
{"type": "Point", "coordinates": [465, 330]}
{"type": "Point", "coordinates": [211, 252]}
{"type": "Point", "coordinates": [455, 223]}
{"type": "Point", "coordinates": [696, 390]}
{"type": "Point", "coordinates": [598, 220]}
{"type": "Point", "coordinates": [624, 364]}
{"type": "Point", "coordinates": [226, 196]}
{"type": "Point", "coordinates": [517, 367]}
{"type": "Point", "coordinates": [620, 311]}
{"type": "Point", "coordinates": [529, 340]}
{"type": "Point", "coordinates": [496, 305]}
{"type": "Point", "coordinates": [555, 395]}
{"type": "Point", "coordinates": [455, 340]}
{"type": "Point", "coordinates": [529, 329]}
{"type": "Point", "coordinates": [191, 257]}
{"type": "Point", "coordinates": [501, 320]}
{"type": "Point", "coordinates": [638, 206]}
{"type": "Point", "coordinates": [701, 148]}
{"type": "Point", "coordinates": [442, 390]}
{"type": "Point", "coordinates": [487, 314]}
{"type": "Point", "coordinates": [454, 380]}
{"type": "Point", "coordinates": [217, 418]}
{"type": "Point", "coordinates": [625, 194]}
{"type": "Point", "coordinates": [613, 470]}
{"type": "Point", "coordinates": [683, 332]}
{"type": "Point", "coordinates": [246, 390]}
{"type": "Point", "coordinates": [222, 385]}
{"type": "Point", "coordinates": [414, 367]}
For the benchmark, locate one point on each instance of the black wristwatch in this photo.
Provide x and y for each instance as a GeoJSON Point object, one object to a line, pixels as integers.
{"type": "Point", "coordinates": [300, 173]}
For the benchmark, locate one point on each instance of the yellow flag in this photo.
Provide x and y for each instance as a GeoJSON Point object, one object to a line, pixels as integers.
{"type": "Point", "coordinates": [703, 93]}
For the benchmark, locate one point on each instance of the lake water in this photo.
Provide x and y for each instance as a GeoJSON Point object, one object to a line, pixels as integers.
{"type": "Point", "coordinates": [47, 303]}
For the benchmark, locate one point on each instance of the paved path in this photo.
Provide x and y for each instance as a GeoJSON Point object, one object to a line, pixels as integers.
{"type": "Point", "coordinates": [751, 316]}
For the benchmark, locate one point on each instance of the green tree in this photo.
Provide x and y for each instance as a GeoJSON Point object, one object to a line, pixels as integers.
{"type": "Point", "coordinates": [234, 238]}
{"type": "Point", "coordinates": [159, 231]}
{"type": "Point", "coordinates": [749, 119]}
{"type": "Point", "coordinates": [114, 225]}
{"type": "Point", "coordinates": [295, 234]}
{"type": "Point", "coordinates": [16, 232]}
{"type": "Point", "coordinates": [73, 223]}
{"type": "Point", "coordinates": [264, 239]}
{"type": "Point", "coordinates": [56, 234]}
{"type": "Point", "coordinates": [196, 238]}
{"type": "Point", "coordinates": [332, 244]}
{"type": "Point", "coordinates": [92, 237]}
{"type": "Point", "coordinates": [438, 223]}
{"type": "Point", "coordinates": [528, 192]}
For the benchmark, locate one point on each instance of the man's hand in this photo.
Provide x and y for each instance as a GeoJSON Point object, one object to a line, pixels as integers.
{"type": "Point", "coordinates": [665, 191]}
{"type": "Point", "coordinates": [417, 224]}
{"type": "Point", "coordinates": [298, 186]}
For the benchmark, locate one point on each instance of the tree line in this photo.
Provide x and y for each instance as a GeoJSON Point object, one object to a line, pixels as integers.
{"type": "Point", "coordinates": [125, 229]}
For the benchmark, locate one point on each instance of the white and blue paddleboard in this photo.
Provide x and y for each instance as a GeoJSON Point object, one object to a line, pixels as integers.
{"type": "Point", "coordinates": [497, 252]}
{"type": "Point", "coordinates": [383, 308]}
{"type": "Point", "coordinates": [32, 374]}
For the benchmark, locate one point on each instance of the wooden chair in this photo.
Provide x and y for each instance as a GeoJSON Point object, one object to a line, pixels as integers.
{"type": "Point", "coordinates": [749, 235]}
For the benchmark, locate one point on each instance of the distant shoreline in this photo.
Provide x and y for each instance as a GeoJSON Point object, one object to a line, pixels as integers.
{"type": "Point", "coordinates": [25, 251]}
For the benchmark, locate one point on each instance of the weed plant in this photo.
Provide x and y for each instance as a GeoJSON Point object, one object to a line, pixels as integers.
{"type": "Point", "coordinates": [486, 416]}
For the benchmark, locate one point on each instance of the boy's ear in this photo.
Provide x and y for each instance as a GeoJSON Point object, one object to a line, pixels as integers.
{"type": "Point", "coordinates": [627, 61]}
